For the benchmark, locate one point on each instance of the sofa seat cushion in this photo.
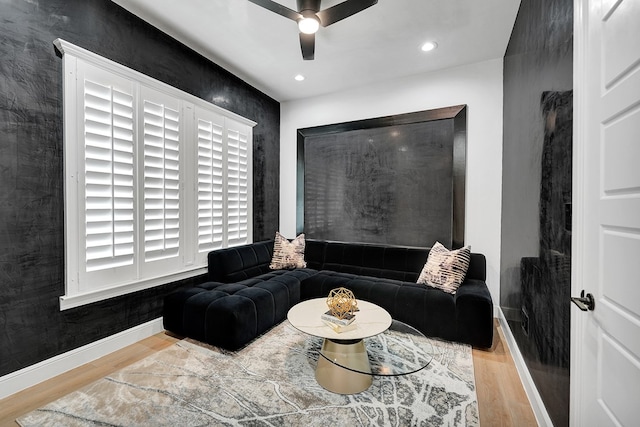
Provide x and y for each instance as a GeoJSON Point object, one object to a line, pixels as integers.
{"type": "Point", "coordinates": [174, 309]}
{"type": "Point", "coordinates": [229, 288]}
{"type": "Point", "coordinates": [429, 310]}
{"type": "Point", "coordinates": [197, 322]}
{"type": "Point", "coordinates": [230, 315]}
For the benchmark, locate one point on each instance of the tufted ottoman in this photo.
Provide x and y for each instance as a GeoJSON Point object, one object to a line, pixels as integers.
{"type": "Point", "coordinates": [230, 315]}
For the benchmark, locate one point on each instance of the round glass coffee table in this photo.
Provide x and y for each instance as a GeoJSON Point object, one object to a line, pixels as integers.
{"type": "Point", "coordinates": [374, 345]}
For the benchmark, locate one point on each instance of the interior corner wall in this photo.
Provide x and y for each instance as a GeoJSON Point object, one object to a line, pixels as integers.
{"type": "Point", "coordinates": [32, 327]}
{"type": "Point", "coordinates": [478, 85]}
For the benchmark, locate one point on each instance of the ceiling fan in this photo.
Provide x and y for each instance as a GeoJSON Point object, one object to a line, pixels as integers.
{"type": "Point", "coordinates": [309, 17]}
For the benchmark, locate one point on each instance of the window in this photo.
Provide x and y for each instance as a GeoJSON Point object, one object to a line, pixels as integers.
{"type": "Point", "coordinates": [154, 180]}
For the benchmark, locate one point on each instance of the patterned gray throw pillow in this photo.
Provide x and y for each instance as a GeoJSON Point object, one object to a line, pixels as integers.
{"type": "Point", "coordinates": [288, 254]}
{"type": "Point", "coordinates": [445, 269]}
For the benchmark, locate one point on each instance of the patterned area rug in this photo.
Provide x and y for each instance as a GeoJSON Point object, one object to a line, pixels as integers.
{"type": "Point", "coordinates": [271, 382]}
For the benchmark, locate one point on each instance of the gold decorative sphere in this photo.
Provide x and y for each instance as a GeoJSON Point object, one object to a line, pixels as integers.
{"type": "Point", "coordinates": [341, 302]}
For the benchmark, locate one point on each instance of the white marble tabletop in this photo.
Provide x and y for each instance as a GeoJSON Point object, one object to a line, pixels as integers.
{"type": "Point", "coordinates": [370, 320]}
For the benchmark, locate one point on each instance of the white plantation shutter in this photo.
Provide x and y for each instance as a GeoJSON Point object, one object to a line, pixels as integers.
{"type": "Point", "coordinates": [237, 183]}
{"type": "Point", "coordinates": [161, 139]}
{"type": "Point", "coordinates": [154, 180]}
{"type": "Point", "coordinates": [210, 183]}
{"type": "Point", "coordinates": [109, 211]}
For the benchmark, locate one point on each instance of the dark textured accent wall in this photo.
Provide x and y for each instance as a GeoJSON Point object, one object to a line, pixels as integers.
{"type": "Point", "coordinates": [372, 185]}
{"type": "Point", "coordinates": [536, 195]}
{"type": "Point", "coordinates": [32, 328]}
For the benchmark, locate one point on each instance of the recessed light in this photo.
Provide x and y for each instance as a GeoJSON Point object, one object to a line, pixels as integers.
{"type": "Point", "coordinates": [299, 77]}
{"type": "Point", "coordinates": [429, 46]}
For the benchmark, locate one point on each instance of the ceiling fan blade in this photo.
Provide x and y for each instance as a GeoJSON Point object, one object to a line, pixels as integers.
{"type": "Point", "coordinates": [278, 8]}
{"type": "Point", "coordinates": [308, 46]}
{"type": "Point", "coordinates": [343, 10]}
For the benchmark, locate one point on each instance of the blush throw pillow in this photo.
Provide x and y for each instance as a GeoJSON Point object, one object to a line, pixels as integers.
{"type": "Point", "coordinates": [288, 254]}
{"type": "Point", "coordinates": [445, 269]}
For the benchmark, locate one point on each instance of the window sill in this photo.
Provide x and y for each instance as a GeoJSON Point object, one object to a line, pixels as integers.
{"type": "Point", "coordinates": [80, 299]}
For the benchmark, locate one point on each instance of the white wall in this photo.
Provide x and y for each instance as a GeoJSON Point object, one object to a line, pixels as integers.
{"type": "Point", "coordinates": [477, 85]}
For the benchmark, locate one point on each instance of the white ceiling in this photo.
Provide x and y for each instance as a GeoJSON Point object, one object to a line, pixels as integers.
{"type": "Point", "coordinates": [380, 43]}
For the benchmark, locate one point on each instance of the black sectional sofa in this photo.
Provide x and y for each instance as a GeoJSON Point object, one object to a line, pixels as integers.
{"type": "Point", "coordinates": [244, 298]}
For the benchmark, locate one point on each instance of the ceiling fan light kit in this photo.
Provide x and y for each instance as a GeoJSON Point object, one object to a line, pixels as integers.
{"type": "Point", "coordinates": [309, 25]}
{"type": "Point", "coordinates": [309, 17]}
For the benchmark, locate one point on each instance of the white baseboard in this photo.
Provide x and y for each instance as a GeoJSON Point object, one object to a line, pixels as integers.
{"type": "Point", "coordinates": [539, 410]}
{"type": "Point", "coordinates": [47, 369]}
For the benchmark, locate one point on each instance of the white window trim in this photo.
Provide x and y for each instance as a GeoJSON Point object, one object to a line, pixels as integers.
{"type": "Point", "coordinates": [194, 264]}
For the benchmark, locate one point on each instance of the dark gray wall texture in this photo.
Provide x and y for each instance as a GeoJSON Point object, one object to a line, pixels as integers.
{"type": "Point", "coordinates": [536, 195]}
{"type": "Point", "coordinates": [389, 185]}
{"type": "Point", "coordinates": [32, 328]}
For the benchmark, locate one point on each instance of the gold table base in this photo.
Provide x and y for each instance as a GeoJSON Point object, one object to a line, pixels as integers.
{"type": "Point", "coordinates": [334, 376]}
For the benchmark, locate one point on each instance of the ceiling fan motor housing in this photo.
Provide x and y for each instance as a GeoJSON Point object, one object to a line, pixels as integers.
{"type": "Point", "coordinates": [312, 6]}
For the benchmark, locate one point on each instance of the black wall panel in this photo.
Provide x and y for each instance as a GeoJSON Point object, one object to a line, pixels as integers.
{"type": "Point", "coordinates": [397, 180]}
{"type": "Point", "coordinates": [390, 185]}
{"type": "Point", "coordinates": [32, 328]}
{"type": "Point", "coordinates": [536, 195]}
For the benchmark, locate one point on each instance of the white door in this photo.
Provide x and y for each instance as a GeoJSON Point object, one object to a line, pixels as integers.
{"type": "Point", "coordinates": [605, 345]}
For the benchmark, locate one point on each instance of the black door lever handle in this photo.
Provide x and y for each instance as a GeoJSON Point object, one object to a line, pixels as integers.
{"type": "Point", "coordinates": [584, 303]}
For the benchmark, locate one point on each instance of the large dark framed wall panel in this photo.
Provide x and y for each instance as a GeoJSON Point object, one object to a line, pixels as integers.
{"type": "Point", "coordinates": [395, 180]}
{"type": "Point", "coordinates": [32, 327]}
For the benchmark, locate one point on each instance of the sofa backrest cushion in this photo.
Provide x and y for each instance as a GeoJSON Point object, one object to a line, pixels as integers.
{"type": "Point", "coordinates": [391, 262]}
{"type": "Point", "coordinates": [314, 253]}
{"type": "Point", "coordinates": [239, 263]}
{"type": "Point", "coordinates": [369, 260]}
{"type": "Point", "coordinates": [477, 268]}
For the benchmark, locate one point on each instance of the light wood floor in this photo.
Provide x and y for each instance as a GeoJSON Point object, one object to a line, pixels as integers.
{"type": "Point", "coordinates": [501, 398]}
